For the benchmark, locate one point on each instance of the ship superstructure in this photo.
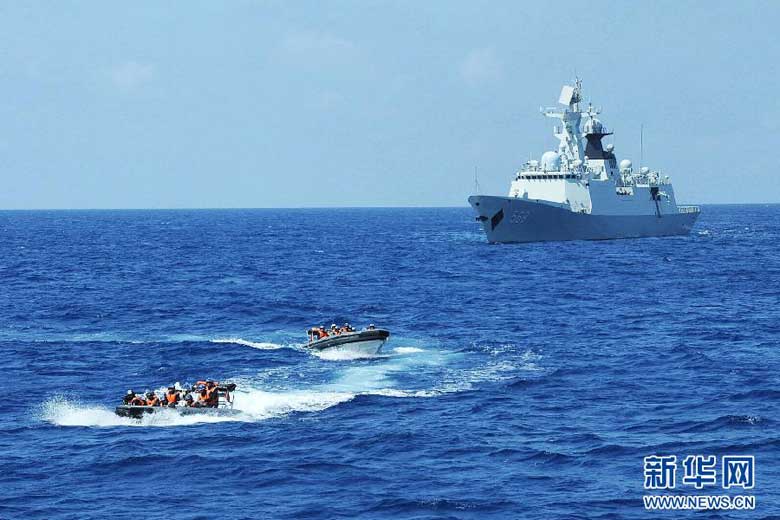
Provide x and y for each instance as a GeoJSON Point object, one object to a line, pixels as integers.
{"type": "Point", "coordinates": [579, 192]}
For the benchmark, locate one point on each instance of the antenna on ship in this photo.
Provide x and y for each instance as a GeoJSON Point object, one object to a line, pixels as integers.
{"type": "Point", "coordinates": [641, 145]}
{"type": "Point", "coordinates": [477, 188]}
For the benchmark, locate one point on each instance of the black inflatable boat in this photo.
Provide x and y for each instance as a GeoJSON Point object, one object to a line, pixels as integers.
{"type": "Point", "coordinates": [224, 405]}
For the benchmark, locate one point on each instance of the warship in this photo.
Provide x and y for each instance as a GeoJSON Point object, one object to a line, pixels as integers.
{"type": "Point", "coordinates": [579, 192]}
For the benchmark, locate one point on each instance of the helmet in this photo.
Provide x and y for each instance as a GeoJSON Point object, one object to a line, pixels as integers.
{"type": "Point", "coordinates": [150, 394]}
{"type": "Point", "coordinates": [130, 392]}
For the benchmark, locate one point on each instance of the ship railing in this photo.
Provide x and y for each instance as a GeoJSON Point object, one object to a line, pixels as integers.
{"type": "Point", "coordinates": [688, 209]}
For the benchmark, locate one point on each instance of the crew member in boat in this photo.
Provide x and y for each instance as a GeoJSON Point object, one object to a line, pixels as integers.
{"type": "Point", "coordinates": [346, 328]}
{"type": "Point", "coordinates": [172, 396]}
{"type": "Point", "coordinates": [205, 400]}
{"type": "Point", "coordinates": [208, 397]}
{"type": "Point", "coordinates": [138, 401]}
{"type": "Point", "coordinates": [152, 399]}
{"type": "Point", "coordinates": [212, 394]}
{"type": "Point", "coordinates": [129, 396]}
{"type": "Point", "coordinates": [207, 393]}
{"type": "Point", "coordinates": [201, 402]}
{"type": "Point", "coordinates": [320, 332]}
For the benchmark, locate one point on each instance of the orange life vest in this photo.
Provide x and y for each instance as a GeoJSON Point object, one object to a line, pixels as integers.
{"type": "Point", "coordinates": [154, 401]}
{"type": "Point", "coordinates": [172, 397]}
{"type": "Point", "coordinates": [137, 401]}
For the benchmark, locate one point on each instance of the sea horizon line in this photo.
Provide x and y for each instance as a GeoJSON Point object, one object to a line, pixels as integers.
{"type": "Point", "coordinates": [234, 208]}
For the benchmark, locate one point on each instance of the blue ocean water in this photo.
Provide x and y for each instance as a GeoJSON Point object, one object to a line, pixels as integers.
{"type": "Point", "coordinates": [521, 381]}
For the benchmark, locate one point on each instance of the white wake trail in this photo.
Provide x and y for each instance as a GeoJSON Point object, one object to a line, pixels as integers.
{"type": "Point", "coordinates": [65, 412]}
{"type": "Point", "coordinates": [250, 405]}
{"type": "Point", "coordinates": [252, 344]}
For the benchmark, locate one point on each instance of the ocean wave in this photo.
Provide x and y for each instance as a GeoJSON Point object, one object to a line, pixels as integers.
{"type": "Point", "coordinates": [414, 506]}
{"type": "Point", "coordinates": [724, 422]}
{"type": "Point", "coordinates": [757, 395]}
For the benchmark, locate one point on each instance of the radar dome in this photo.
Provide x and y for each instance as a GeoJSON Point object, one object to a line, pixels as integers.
{"type": "Point", "coordinates": [551, 161]}
{"type": "Point", "coordinates": [593, 126]}
{"type": "Point", "coordinates": [645, 169]}
{"type": "Point", "coordinates": [625, 164]}
{"type": "Point", "coordinates": [610, 147]}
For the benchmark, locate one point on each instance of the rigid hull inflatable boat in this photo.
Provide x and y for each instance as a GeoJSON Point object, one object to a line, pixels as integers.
{"type": "Point", "coordinates": [365, 342]}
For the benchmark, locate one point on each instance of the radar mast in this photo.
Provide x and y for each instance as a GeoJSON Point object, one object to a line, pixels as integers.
{"type": "Point", "coordinates": [570, 148]}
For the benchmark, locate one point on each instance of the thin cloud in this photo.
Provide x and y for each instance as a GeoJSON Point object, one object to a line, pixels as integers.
{"type": "Point", "coordinates": [317, 49]}
{"type": "Point", "coordinates": [131, 75]}
{"type": "Point", "coordinates": [480, 67]}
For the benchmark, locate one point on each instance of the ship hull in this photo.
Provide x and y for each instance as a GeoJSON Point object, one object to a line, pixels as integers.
{"type": "Point", "coordinates": [508, 219]}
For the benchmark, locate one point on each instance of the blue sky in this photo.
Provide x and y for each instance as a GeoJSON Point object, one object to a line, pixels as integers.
{"type": "Point", "coordinates": [288, 104]}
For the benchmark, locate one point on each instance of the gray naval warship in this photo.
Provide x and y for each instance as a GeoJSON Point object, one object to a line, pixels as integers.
{"type": "Point", "coordinates": [579, 192]}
